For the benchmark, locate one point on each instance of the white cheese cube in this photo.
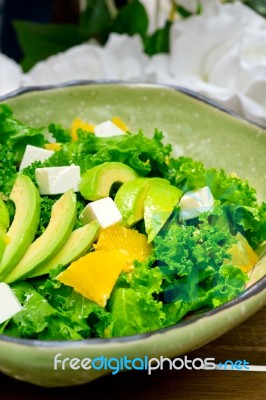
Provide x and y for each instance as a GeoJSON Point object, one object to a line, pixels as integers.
{"type": "Point", "coordinates": [9, 304]}
{"type": "Point", "coordinates": [104, 211]}
{"type": "Point", "coordinates": [33, 153]}
{"type": "Point", "coordinates": [196, 202]}
{"type": "Point", "coordinates": [58, 180]}
{"type": "Point", "coordinates": [107, 129]}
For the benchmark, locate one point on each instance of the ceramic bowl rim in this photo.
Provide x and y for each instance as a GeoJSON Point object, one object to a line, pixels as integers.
{"type": "Point", "coordinates": [85, 82]}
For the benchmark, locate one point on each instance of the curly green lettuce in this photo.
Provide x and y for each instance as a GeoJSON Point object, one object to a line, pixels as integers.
{"type": "Point", "coordinates": [238, 200]}
{"type": "Point", "coordinates": [17, 134]}
{"type": "Point", "coordinates": [189, 271]}
{"type": "Point", "coordinates": [185, 274]}
{"type": "Point", "coordinates": [52, 311]}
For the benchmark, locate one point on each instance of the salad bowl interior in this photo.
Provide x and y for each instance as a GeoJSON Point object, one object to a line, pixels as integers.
{"type": "Point", "coordinates": [196, 128]}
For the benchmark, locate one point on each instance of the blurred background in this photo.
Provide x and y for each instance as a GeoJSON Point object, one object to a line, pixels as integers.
{"type": "Point", "coordinates": [69, 12]}
{"type": "Point", "coordinates": [214, 47]}
{"type": "Point", "coordinates": [41, 11]}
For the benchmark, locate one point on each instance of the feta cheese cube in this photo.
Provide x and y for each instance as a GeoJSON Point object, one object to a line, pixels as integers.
{"type": "Point", "coordinates": [9, 304]}
{"type": "Point", "coordinates": [33, 153]}
{"type": "Point", "coordinates": [107, 129]}
{"type": "Point", "coordinates": [104, 211]}
{"type": "Point", "coordinates": [196, 202]}
{"type": "Point", "coordinates": [58, 180]}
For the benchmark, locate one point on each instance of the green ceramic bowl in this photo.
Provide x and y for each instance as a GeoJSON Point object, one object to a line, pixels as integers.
{"type": "Point", "coordinates": [196, 127]}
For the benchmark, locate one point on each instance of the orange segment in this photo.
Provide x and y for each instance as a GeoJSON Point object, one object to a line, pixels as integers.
{"type": "Point", "coordinates": [80, 124]}
{"type": "Point", "coordinates": [242, 254]}
{"type": "Point", "coordinates": [95, 274]}
{"type": "Point", "coordinates": [118, 122]}
{"type": "Point", "coordinates": [53, 146]}
{"type": "Point", "coordinates": [131, 242]}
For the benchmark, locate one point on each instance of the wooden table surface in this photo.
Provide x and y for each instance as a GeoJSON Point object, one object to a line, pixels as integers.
{"type": "Point", "coordinates": [247, 341]}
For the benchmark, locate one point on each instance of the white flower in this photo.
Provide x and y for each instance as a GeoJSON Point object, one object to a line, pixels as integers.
{"type": "Point", "coordinates": [122, 58]}
{"type": "Point", "coordinates": [221, 53]}
{"type": "Point", "coordinates": [207, 5]}
{"type": "Point", "coordinates": [10, 75]}
{"type": "Point", "coordinates": [158, 12]}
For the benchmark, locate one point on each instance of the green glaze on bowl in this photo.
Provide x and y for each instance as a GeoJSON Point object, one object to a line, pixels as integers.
{"type": "Point", "coordinates": [195, 128]}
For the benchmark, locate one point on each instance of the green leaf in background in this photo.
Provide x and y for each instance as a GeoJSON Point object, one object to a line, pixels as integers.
{"type": "Point", "coordinates": [39, 41]}
{"type": "Point", "coordinates": [96, 20]}
{"type": "Point", "coordinates": [199, 8]}
{"type": "Point", "coordinates": [257, 5]}
{"type": "Point", "coordinates": [184, 13]}
{"type": "Point", "coordinates": [159, 41]}
{"type": "Point", "coordinates": [132, 19]}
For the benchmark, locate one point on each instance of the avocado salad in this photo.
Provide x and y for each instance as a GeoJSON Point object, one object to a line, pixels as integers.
{"type": "Point", "coordinates": [103, 233]}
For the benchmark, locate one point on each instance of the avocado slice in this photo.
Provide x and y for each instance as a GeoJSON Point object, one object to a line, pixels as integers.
{"type": "Point", "coordinates": [130, 200]}
{"type": "Point", "coordinates": [62, 221]}
{"type": "Point", "coordinates": [75, 247]}
{"type": "Point", "coordinates": [25, 223]}
{"type": "Point", "coordinates": [3, 241]}
{"type": "Point", "coordinates": [159, 204]}
{"type": "Point", "coordinates": [150, 198]}
{"type": "Point", "coordinates": [4, 224]}
{"type": "Point", "coordinates": [4, 215]}
{"type": "Point", "coordinates": [96, 183]}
